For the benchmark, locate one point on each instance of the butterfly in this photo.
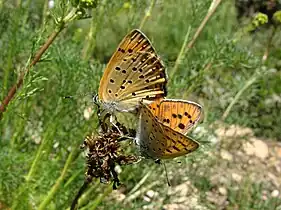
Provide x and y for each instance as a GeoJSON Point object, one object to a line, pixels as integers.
{"type": "Point", "coordinates": [134, 72]}
{"type": "Point", "coordinates": [162, 126]}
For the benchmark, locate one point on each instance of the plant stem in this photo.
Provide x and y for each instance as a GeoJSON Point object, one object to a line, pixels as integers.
{"type": "Point", "coordinates": [182, 51]}
{"type": "Point", "coordinates": [90, 41]}
{"type": "Point", "coordinates": [211, 11]}
{"type": "Point", "coordinates": [36, 58]}
{"type": "Point", "coordinates": [100, 197]}
{"type": "Point", "coordinates": [237, 96]}
{"type": "Point", "coordinates": [269, 41]}
{"type": "Point", "coordinates": [84, 198]}
{"type": "Point", "coordinates": [23, 188]}
{"type": "Point", "coordinates": [252, 79]}
{"type": "Point", "coordinates": [80, 192]}
{"type": "Point", "coordinates": [147, 13]}
{"type": "Point", "coordinates": [59, 181]}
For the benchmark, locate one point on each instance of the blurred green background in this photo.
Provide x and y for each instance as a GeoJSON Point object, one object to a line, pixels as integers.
{"type": "Point", "coordinates": [235, 74]}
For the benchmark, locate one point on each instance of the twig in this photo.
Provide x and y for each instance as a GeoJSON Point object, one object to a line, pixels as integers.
{"type": "Point", "coordinates": [90, 39]}
{"type": "Point", "coordinates": [78, 195]}
{"type": "Point", "coordinates": [211, 11]}
{"type": "Point", "coordinates": [237, 96]}
{"type": "Point", "coordinates": [269, 42]}
{"type": "Point", "coordinates": [252, 79]}
{"type": "Point", "coordinates": [147, 13]}
{"type": "Point", "coordinates": [35, 60]}
{"type": "Point", "coordinates": [59, 181]}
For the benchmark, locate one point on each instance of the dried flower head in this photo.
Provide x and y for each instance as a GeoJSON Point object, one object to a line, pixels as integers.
{"type": "Point", "coordinates": [103, 153]}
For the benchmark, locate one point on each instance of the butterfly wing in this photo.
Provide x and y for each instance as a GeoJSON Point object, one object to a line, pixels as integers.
{"type": "Point", "coordinates": [133, 72]}
{"type": "Point", "coordinates": [177, 144]}
{"type": "Point", "coordinates": [180, 115]}
{"type": "Point", "coordinates": [157, 140]}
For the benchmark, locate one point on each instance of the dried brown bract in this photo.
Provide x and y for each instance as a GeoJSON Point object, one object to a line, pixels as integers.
{"type": "Point", "coordinates": [103, 153]}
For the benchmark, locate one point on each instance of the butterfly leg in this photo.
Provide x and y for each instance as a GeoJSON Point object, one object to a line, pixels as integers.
{"type": "Point", "coordinates": [113, 121]}
{"type": "Point", "coordinates": [103, 117]}
{"type": "Point", "coordinates": [158, 161]}
{"type": "Point", "coordinates": [124, 138]}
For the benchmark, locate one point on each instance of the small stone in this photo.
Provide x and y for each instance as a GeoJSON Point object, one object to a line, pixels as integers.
{"type": "Point", "coordinates": [118, 196]}
{"type": "Point", "coordinates": [226, 155]}
{"type": "Point", "coordinates": [233, 131]}
{"type": "Point", "coordinates": [150, 193]}
{"type": "Point", "coordinates": [256, 147]}
{"type": "Point", "coordinates": [278, 152]}
{"type": "Point", "coordinates": [222, 191]}
{"type": "Point", "coordinates": [236, 177]}
{"type": "Point", "coordinates": [174, 206]}
{"type": "Point", "coordinates": [275, 193]}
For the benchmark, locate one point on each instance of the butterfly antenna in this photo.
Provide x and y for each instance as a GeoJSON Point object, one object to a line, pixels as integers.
{"type": "Point", "coordinates": [75, 96]}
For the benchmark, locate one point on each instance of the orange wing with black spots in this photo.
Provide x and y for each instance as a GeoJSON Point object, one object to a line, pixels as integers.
{"type": "Point", "coordinates": [134, 72]}
{"type": "Point", "coordinates": [180, 115]}
{"type": "Point", "coordinates": [159, 141]}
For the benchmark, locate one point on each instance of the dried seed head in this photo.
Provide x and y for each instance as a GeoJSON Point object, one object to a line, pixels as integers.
{"type": "Point", "coordinates": [103, 153]}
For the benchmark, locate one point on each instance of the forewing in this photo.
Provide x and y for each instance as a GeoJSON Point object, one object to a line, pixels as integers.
{"type": "Point", "coordinates": [134, 72]}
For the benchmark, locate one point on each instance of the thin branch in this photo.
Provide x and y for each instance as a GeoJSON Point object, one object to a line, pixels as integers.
{"type": "Point", "coordinates": [269, 42]}
{"type": "Point", "coordinates": [237, 96]}
{"type": "Point", "coordinates": [35, 60]}
{"type": "Point", "coordinates": [211, 11]}
{"type": "Point", "coordinates": [147, 13]}
{"type": "Point", "coordinates": [78, 195]}
{"type": "Point", "coordinates": [60, 180]}
{"type": "Point", "coordinates": [252, 80]}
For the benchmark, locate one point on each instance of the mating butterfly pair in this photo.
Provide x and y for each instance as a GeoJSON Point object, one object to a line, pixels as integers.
{"type": "Point", "coordinates": [134, 78]}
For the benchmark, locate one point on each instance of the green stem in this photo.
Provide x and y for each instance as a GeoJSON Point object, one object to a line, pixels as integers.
{"type": "Point", "coordinates": [147, 13]}
{"type": "Point", "coordinates": [85, 197]}
{"type": "Point", "coordinates": [211, 11]}
{"type": "Point", "coordinates": [35, 60]}
{"type": "Point", "coordinates": [39, 153]}
{"type": "Point", "coordinates": [59, 181]}
{"type": "Point", "coordinates": [269, 42]}
{"type": "Point", "coordinates": [94, 204]}
{"type": "Point", "coordinates": [23, 189]}
{"type": "Point", "coordinates": [182, 52]}
{"type": "Point", "coordinates": [238, 95]}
